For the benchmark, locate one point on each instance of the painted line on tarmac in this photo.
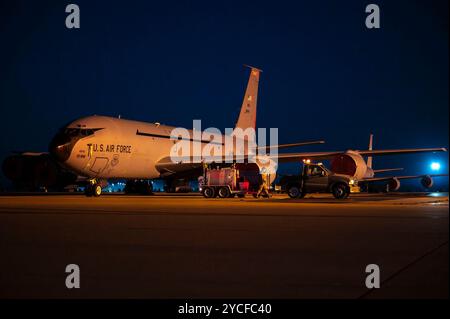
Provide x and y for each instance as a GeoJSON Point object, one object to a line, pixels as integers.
{"type": "Point", "coordinates": [404, 268]}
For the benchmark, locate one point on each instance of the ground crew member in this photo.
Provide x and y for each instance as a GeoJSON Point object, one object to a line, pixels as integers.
{"type": "Point", "coordinates": [263, 186]}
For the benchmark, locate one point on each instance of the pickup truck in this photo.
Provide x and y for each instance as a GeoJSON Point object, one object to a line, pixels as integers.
{"type": "Point", "coordinates": [316, 178]}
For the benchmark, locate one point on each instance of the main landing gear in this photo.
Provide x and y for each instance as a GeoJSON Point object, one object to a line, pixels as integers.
{"type": "Point", "coordinates": [93, 188]}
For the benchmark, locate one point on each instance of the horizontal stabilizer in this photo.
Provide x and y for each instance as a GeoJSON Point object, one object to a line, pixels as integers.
{"type": "Point", "coordinates": [28, 153]}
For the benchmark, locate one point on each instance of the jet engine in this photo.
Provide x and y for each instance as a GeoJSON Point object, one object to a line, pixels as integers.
{"type": "Point", "coordinates": [427, 181]}
{"type": "Point", "coordinates": [394, 184]}
{"type": "Point", "coordinates": [349, 163]}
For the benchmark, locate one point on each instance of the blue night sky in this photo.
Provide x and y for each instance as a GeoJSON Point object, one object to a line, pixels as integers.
{"type": "Point", "coordinates": [325, 74]}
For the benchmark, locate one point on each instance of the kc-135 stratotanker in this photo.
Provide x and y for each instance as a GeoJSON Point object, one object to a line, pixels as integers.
{"type": "Point", "coordinates": [101, 148]}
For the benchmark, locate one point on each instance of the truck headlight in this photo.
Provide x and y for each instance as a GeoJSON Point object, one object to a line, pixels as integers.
{"type": "Point", "coordinates": [352, 182]}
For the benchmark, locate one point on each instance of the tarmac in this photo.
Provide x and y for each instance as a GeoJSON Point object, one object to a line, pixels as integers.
{"type": "Point", "coordinates": [185, 246]}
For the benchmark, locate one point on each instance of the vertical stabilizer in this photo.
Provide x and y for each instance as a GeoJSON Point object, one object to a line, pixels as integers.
{"type": "Point", "coordinates": [369, 158]}
{"type": "Point", "coordinates": [247, 116]}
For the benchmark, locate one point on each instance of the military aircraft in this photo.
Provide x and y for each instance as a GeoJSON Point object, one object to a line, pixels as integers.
{"type": "Point", "coordinates": [100, 148]}
{"type": "Point", "coordinates": [392, 182]}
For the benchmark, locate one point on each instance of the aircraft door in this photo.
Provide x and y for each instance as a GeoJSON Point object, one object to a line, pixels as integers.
{"type": "Point", "coordinates": [99, 165]}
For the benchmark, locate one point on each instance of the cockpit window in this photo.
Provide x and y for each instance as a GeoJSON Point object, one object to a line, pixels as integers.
{"type": "Point", "coordinates": [79, 132]}
{"type": "Point", "coordinates": [62, 144]}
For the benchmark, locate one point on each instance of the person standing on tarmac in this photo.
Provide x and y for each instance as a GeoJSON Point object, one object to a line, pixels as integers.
{"type": "Point", "coordinates": [263, 186]}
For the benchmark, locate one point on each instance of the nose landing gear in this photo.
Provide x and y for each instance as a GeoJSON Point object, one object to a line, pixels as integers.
{"type": "Point", "coordinates": [93, 189]}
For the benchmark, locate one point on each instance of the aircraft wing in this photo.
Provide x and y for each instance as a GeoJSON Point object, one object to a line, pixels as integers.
{"type": "Point", "coordinates": [383, 170]}
{"type": "Point", "coordinates": [293, 157]}
{"type": "Point", "coordinates": [401, 151]}
{"type": "Point", "coordinates": [280, 146]}
{"type": "Point", "coordinates": [166, 166]}
{"type": "Point", "coordinates": [387, 178]}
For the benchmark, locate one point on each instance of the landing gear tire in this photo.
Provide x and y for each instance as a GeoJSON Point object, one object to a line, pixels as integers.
{"type": "Point", "coordinates": [295, 192]}
{"type": "Point", "coordinates": [96, 190]}
{"type": "Point", "coordinates": [209, 192]}
{"type": "Point", "coordinates": [93, 190]}
{"type": "Point", "coordinates": [340, 191]}
{"type": "Point", "coordinates": [224, 192]}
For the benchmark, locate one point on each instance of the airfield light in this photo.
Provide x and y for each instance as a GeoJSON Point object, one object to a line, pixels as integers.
{"type": "Point", "coordinates": [435, 166]}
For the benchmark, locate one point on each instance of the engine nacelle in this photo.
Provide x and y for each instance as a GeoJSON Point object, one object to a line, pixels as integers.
{"type": "Point", "coordinates": [393, 185]}
{"type": "Point", "coordinates": [427, 181]}
{"type": "Point", "coordinates": [349, 163]}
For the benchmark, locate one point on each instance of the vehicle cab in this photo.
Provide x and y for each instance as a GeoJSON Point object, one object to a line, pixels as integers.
{"type": "Point", "coordinates": [316, 178]}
